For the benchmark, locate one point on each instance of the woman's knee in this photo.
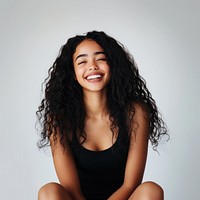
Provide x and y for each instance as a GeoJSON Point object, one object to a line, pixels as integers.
{"type": "Point", "coordinates": [153, 190]}
{"type": "Point", "coordinates": [148, 191]}
{"type": "Point", "coordinates": [53, 191]}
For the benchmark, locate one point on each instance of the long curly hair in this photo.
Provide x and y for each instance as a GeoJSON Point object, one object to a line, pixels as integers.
{"type": "Point", "coordinates": [62, 110]}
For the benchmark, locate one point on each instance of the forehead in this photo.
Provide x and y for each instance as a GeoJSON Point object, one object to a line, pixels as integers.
{"type": "Point", "coordinates": [88, 46]}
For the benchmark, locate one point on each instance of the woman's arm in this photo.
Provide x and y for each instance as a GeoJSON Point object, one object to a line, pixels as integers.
{"type": "Point", "coordinates": [66, 169]}
{"type": "Point", "coordinates": [136, 160]}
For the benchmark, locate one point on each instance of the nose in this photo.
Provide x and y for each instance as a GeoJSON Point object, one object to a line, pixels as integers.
{"type": "Point", "coordinates": [93, 66]}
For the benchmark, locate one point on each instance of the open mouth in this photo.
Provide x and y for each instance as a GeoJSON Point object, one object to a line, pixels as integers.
{"type": "Point", "coordinates": [92, 77]}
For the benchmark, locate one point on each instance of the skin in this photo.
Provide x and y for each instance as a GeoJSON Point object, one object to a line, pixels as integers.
{"type": "Point", "coordinates": [90, 60]}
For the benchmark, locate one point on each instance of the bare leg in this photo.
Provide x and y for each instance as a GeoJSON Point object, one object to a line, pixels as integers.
{"type": "Point", "coordinates": [53, 191]}
{"type": "Point", "coordinates": [148, 191]}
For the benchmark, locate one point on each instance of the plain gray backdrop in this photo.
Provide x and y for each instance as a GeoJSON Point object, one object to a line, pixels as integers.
{"type": "Point", "coordinates": [163, 37]}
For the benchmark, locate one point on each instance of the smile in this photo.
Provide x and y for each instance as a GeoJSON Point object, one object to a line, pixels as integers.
{"type": "Point", "coordinates": [93, 76]}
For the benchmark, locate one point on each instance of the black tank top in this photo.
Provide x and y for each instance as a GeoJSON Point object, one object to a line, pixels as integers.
{"type": "Point", "coordinates": [101, 173]}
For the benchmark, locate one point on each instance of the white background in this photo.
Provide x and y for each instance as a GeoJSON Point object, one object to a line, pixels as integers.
{"type": "Point", "coordinates": [162, 35]}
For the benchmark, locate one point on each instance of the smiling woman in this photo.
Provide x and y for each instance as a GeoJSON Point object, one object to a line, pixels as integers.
{"type": "Point", "coordinates": [98, 116]}
{"type": "Point", "coordinates": [90, 66]}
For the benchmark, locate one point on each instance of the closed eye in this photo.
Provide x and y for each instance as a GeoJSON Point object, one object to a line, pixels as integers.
{"type": "Point", "coordinates": [101, 59]}
{"type": "Point", "coordinates": [81, 62]}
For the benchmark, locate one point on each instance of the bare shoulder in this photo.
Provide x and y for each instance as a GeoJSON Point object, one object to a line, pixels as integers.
{"type": "Point", "coordinates": [141, 114]}
{"type": "Point", "coordinates": [140, 124]}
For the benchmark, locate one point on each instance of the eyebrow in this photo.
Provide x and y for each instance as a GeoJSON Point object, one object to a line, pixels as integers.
{"type": "Point", "coordinates": [96, 53]}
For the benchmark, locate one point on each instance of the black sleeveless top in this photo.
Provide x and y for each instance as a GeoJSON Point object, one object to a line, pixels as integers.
{"type": "Point", "coordinates": [101, 173]}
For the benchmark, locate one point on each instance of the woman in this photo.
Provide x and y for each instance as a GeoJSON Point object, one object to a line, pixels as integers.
{"type": "Point", "coordinates": [97, 116]}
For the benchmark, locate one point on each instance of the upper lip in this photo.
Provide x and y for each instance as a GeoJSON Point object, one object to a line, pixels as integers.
{"type": "Point", "coordinates": [94, 73]}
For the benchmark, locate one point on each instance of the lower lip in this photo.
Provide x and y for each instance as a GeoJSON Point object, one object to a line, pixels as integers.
{"type": "Point", "coordinates": [95, 80]}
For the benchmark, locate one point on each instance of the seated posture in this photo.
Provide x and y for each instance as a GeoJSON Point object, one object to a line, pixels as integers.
{"type": "Point", "coordinates": [98, 117]}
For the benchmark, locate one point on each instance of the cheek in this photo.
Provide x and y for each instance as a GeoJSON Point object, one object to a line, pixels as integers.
{"type": "Point", "coordinates": [78, 73]}
{"type": "Point", "coordinates": [75, 74]}
{"type": "Point", "coordinates": [108, 70]}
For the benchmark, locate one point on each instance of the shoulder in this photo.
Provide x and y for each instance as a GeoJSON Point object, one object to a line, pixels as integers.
{"type": "Point", "coordinates": [140, 112]}
{"type": "Point", "coordinates": [140, 122]}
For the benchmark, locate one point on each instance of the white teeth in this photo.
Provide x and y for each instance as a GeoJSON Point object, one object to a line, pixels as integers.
{"type": "Point", "coordinates": [93, 77]}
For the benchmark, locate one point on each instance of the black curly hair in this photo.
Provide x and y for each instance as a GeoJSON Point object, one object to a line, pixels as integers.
{"type": "Point", "coordinates": [62, 110]}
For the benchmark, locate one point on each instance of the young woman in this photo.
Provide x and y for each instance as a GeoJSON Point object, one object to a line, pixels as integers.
{"type": "Point", "coordinates": [97, 116]}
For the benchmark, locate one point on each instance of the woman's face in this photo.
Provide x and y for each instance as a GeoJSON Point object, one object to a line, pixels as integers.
{"type": "Point", "coordinates": [91, 69]}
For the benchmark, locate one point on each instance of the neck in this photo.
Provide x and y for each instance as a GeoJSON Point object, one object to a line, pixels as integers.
{"type": "Point", "coordinates": [95, 104]}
